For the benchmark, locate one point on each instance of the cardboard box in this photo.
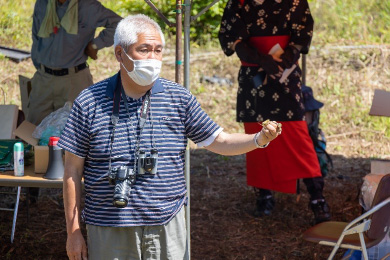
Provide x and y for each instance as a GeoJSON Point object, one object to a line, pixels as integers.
{"type": "Point", "coordinates": [380, 166]}
{"type": "Point", "coordinates": [8, 114]}
{"type": "Point", "coordinates": [381, 103]}
{"type": "Point", "coordinates": [380, 107]}
{"type": "Point", "coordinates": [41, 153]}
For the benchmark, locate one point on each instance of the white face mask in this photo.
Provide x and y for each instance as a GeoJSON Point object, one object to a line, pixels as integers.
{"type": "Point", "coordinates": [145, 72]}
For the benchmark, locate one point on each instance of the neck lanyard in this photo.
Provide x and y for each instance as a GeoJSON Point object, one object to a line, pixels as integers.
{"type": "Point", "coordinates": [144, 109]}
{"type": "Point", "coordinates": [119, 91]}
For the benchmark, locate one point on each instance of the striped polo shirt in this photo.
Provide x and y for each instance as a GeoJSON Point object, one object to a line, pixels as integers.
{"type": "Point", "coordinates": [174, 116]}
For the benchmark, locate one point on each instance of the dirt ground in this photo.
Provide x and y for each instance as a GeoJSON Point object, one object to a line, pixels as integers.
{"type": "Point", "coordinates": [222, 225]}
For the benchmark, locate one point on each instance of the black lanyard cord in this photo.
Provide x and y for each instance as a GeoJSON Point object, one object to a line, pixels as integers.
{"type": "Point", "coordinates": [143, 116]}
{"type": "Point", "coordinates": [112, 141]}
{"type": "Point", "coordinates": [119, 91]}
{"type": "Point", "coordinates": [114, 119]}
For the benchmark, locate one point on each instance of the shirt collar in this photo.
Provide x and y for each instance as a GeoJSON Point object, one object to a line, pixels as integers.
{"type": "Point", "coordinates": [115, 81]}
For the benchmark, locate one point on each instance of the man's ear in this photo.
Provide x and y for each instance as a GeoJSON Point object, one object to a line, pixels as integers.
{"type": "Point", "coordinates": [118, 53]}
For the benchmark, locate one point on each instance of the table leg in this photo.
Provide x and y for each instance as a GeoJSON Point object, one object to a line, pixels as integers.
{"type": "Point", "coordinates": [15, 214]}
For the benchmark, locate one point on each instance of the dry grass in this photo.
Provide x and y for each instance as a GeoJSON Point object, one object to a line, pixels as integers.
{"type": "Point", "coordinates": [344, 79]}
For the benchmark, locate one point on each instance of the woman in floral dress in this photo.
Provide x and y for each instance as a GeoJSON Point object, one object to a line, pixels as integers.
{"type": "Point", "coordinates": [253, 29]}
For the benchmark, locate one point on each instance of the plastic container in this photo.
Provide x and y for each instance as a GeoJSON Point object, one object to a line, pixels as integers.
{"type": "Point", "coordinates": [19, 159]}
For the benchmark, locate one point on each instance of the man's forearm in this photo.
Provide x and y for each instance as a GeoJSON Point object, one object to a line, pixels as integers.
{"type": "Point", "coordinates": [72, 195]}
{"type": "Point", "coordinates": [74, 167]}
{"type": "Point", "coordinates": [75, 243]}
{"type": "Point", "coordinates": [233, 144]}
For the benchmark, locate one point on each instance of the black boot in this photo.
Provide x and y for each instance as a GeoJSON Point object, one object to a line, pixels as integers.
{"type": "Point", "coordinates": [264, 203]}
{"type": "Point", "coordinates": [317, 202]}
{"type": "Point", "coordinates": [321, 210]}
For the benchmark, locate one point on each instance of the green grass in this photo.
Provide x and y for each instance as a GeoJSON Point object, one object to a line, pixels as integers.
{"type": "Point", "coordinates": [15, 23]}
{"type": "Point", "coordinates": [351, 21]}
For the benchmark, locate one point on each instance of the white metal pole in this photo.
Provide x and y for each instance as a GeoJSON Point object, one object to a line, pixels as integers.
{"type": "Point", "coordinates": [187, 21]}
{"type": "Point", "coordinates": [15, 214]}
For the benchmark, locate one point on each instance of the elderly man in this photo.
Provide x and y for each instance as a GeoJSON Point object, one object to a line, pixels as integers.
{"type": "Point", "coordinates": [127, 136]}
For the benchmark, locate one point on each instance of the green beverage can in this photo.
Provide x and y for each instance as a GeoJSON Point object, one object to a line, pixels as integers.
{"type": "Point", "coordinates": [19, 159]}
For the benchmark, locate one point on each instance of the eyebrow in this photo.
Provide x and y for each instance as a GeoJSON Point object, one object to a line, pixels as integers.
{"type": "Point", "coordinates": [149, 45]}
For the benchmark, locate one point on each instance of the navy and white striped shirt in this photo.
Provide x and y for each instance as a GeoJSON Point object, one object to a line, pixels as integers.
{"type": "Point", "coordinates": [174, 115]}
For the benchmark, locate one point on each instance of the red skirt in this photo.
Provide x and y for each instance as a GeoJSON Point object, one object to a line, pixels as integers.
{"type": "Point", "coordinates": [289, 157]}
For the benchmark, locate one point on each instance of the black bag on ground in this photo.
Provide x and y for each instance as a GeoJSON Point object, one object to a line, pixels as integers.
{"type": "Point", "coordinates": [312, 114]}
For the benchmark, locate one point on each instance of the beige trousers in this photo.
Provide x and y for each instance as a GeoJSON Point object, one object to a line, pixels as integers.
{"type": "Point", "coordinates": [165, 242]}
{"type": "Point", "coordinates": [49, 92]}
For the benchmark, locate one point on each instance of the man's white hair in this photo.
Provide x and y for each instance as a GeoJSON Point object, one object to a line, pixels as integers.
{"type": "Point", "coordinates": [128, 29]}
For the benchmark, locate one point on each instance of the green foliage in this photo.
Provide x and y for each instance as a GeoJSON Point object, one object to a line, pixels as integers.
{"type": "Point", "coordinates": [206, 27]}
{"type": "Point", "coordinates": [166, 7]}
{"type": "Point", "coordinates": [203, 29]}
{"type": "Point", "coordinates": [336, 21]}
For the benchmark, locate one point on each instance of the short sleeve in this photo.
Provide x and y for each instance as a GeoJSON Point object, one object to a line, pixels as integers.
{"type": "Point", "coordinates": [199, 126]}
{"type": "Point", "coordinates": [75, 136]}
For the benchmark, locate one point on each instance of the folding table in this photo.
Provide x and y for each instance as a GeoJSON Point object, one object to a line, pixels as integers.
{"type": "Point", "coordinates": [30, 179]}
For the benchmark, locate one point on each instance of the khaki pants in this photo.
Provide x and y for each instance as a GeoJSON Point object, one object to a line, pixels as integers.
{"type": "Point", "coordinates": [139, 243]}
{"type": "Point", "coordinates": [49, 92]}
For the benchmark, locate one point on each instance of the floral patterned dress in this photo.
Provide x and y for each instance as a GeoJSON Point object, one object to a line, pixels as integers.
{"type": "Point", "coordinates": [261, 24]}
{"type": "Point", "coordinates": [249, 19]}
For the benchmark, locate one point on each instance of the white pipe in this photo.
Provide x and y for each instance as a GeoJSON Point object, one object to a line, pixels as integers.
{"type": "Point", "coordinates": [187, 21]}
